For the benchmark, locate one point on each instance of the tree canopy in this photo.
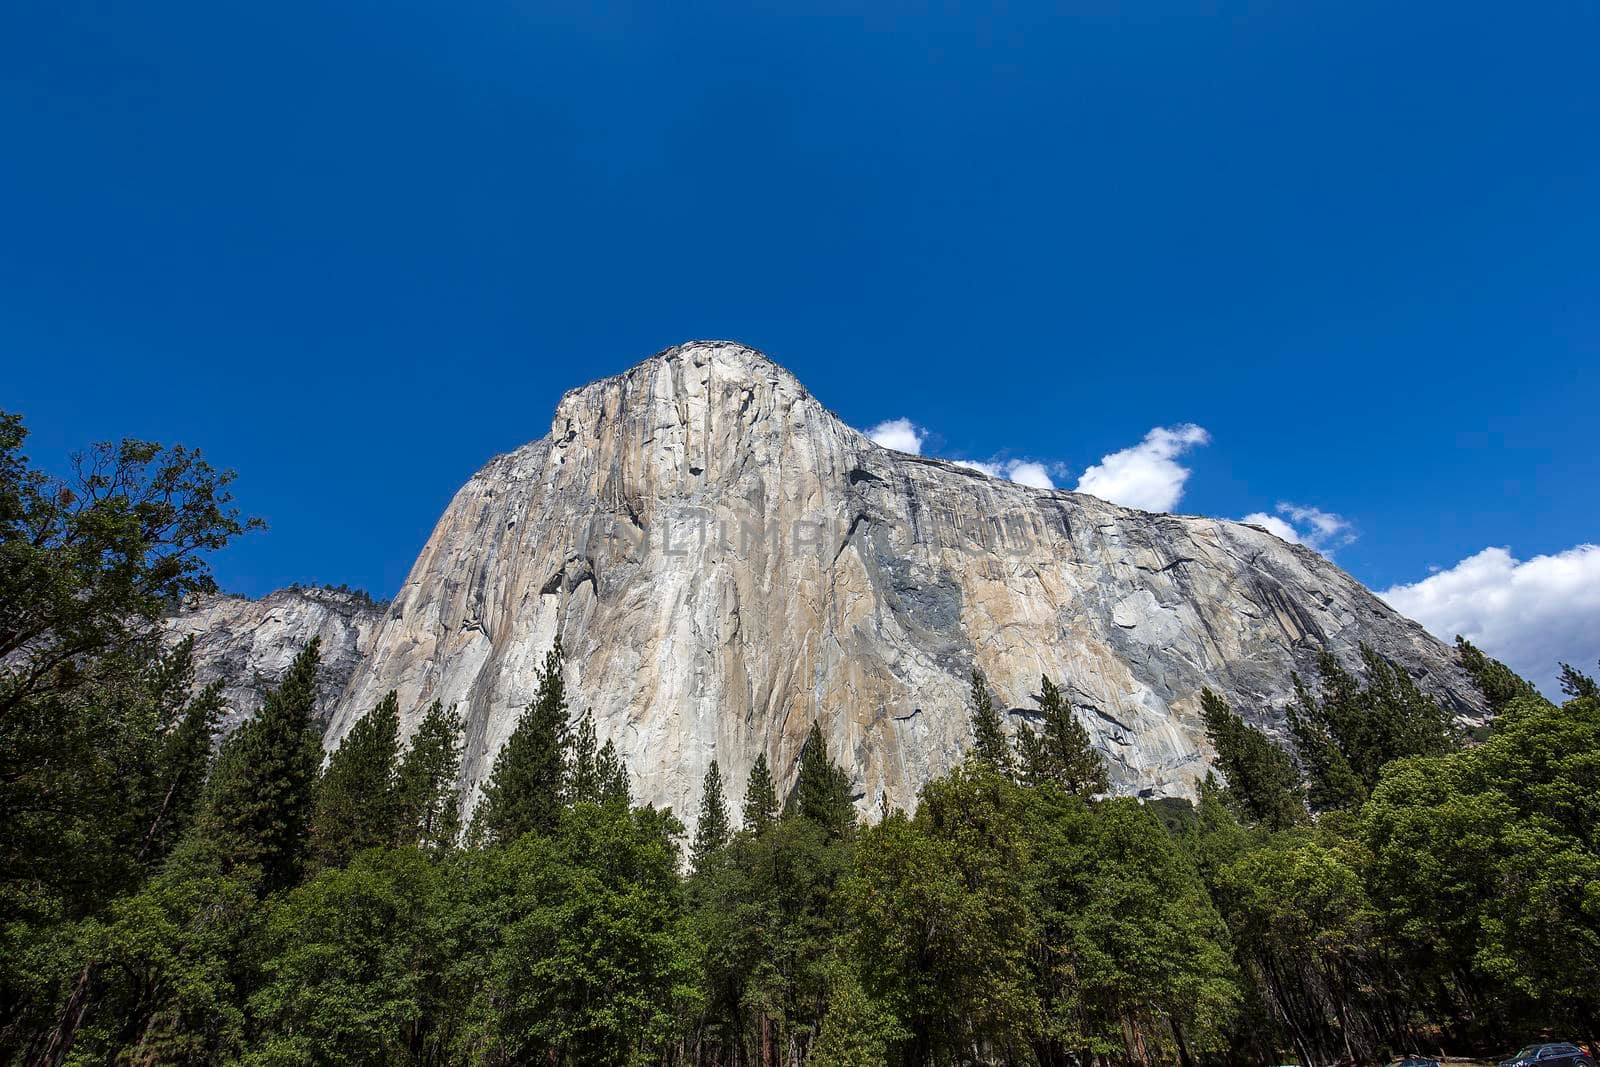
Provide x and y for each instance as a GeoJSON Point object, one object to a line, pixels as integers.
{"type": "Point", "coordinates": [1388, 886]}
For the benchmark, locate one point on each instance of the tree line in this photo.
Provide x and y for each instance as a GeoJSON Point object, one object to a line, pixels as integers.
{"type": "Point", "coordinates": [1374, 882]}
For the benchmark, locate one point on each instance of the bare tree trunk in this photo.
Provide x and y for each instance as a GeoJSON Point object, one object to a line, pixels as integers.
{"type": "Point", "coordinates": [1275, 990]}
{"type": "Point", "coordinates": [71, 1018]}
{"type": "Point", "coordinates": [155, 824]}
{"type": "Point", "coordinates": [1183, 1046]}
{"type": "Point", "coordinates": [1133, 1041]}
{"type": "Point", "coordinates": [1344, 1022]}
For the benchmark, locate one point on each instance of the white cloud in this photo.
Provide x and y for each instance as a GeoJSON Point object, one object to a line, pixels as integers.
{"type": "Point", "coordinates": [1324, 528]}
{"type": "Point", "coordinates": [1531, 614]}
{"type": "Point", "coordinates": [1312, 527]}
{"type": "Point", "coordinates": [1145, 476]}
{"type": "Point", "coordinates": [902, 435]}
{"type": "Point", "coordinates": [1273, 524]}
{"type": "Point", "coordinates": [1027, 472]}
{"type": "Point", "coordinates": [1022, 471]}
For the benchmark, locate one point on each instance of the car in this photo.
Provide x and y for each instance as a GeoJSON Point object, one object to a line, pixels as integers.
{"type": "Point", "coordinates": [1414, 1061]}
{"type": "Point", "coordinates": [1553, 1054]}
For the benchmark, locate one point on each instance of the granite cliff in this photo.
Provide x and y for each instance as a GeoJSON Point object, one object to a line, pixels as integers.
{"type": "Point", "coordinates": [249, 644]}
{"type": "Point", "coordinates": [727, 562]}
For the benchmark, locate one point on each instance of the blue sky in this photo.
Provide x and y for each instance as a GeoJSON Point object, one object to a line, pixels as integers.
{"type": "Point", "coordinates": [354, 250]}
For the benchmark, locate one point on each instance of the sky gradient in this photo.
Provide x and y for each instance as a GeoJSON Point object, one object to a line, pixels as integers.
{"type": "Point", "coordinates": [354, 251]}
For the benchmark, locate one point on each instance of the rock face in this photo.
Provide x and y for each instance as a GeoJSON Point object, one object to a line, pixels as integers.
{"type": "Point", "coordinates": [249, 644]}
{"type": "Point", "coordinates": [726, 562]}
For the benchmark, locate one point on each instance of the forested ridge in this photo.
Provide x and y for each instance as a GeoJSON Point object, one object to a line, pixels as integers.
{"type": "Point", "coordinates": [1374, 883]}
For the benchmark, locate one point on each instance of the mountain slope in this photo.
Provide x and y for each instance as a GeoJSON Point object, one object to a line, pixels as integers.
{"type": "Point", "coordinates": [726, 562]}
{"type": "Point", "coordinates": [249, 644]}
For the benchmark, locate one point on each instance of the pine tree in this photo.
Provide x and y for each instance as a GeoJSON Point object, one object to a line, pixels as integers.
{"type": "Point", "coordinates": [524, 791]}
{"type": "Point", "coordinates": [357, 802]}
{"type": "Point", "coordinates": [988, 735]}
{"type": "Point", "coordinates": [584, 784]}
{"type": "Point", "coordinates": [259, 801]}
{"type": "Point", "coordinates": [429, 804]}
{"type": "Point", "coordinates": [1402, 719]}
{"type": "Point", "coordinates": [1216, 837]}
{"type": "Point", "coordinates": [1577, 685]}
{"type": "Point", "coordinates": [1262, 782]}
{"type": "Point", "coordinates": [611, 771]}
{"type": "Point", "coordinates": [713, 830]}
{"type": "Point", "coordinates": [1060, 751]}
{"type": "Point", "coordinates": [1499, 684]}
{"type": "Point", "coordinates": [760, 797]}
{"type": "Point", "coordinates": [185, 725]}
{"type": "Point", "coordinates": [1033, 761]}
{"type": "Point", "coordinates": [1345, 738]}
{"type": "Point", "coordinates": [1332, 782]}
{"type": "Point", "coordinates": [821, 788]}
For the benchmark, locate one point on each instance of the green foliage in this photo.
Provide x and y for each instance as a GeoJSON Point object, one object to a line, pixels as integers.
{"type": "Point", "coordinates": [599, 961]}
{"type": "Point", "coordinates": [1497, 682]}
{"type": "Point", "coordinates": [258, 805]}
{"type": "Point", "coordinates": [525, 790]}
{"type": "Point", "coordinates": [768, 918]}
{"type": "Point", "coordinates": [760, 797]}
{"type": "Point", "coordinates": [1345, 738]}
{"type": "Point", "coordinates": [995, 924]}
{"type": "Point", "coordinates": [88, 565]}
{"type": "Point", "coordinates": [1333, 783]}
{"type": "Point", "coordinates": [855, 1032]}
{"type": "Point", "coordinates": [186, 722]}
{"type": "Point", "coordinates": [713, 829]}
{"type": "Point", "coordinates": [1060, 753]}
{"type": "Point", "coordinates": [1262, 782]}
{"type": "Point", "coordinates": [1132, 956]}
{"type": "Point", "coordinates": [98, 731]}
{"type": "Point", "coordinates": [1486, 862]}
{"type": "Point", "coordinates": [103, 744]}
{"type": "Point", "coordinates": [594, 774]}
{"type": "Point", "coordinates": [1216, 837]}
{"type": "Point", "coordinates": [348, 960]}
{"type": "Point", "coordinates": [612, 772]}
{"type": "Point", "coordinates": [988, 734]}
{"type": "Point", "coordinates": [822, 789]}
{"type": "Point", "coordinates": [941, 921]}
{"type": "Point", "coordinates": [169, 966]}
{"type": "Point", "coordinates": [428, 804]}
{"type": "Point", "coordinates": [1577, 685]}
{"type": "Point", "coordinates": [582, 783]}
{"type": "Point", "coordinates": [100, 824]}
{"type": "Point", "coordinates": [357, 799]}
{"type": "Point", "coordinates": [1304, 933]}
